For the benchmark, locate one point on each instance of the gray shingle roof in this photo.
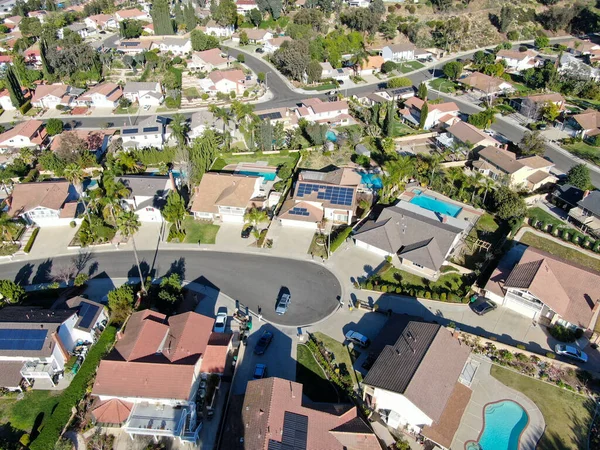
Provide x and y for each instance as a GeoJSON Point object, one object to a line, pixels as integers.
{"type": "Point", "coordinates": [136, 86]}
{"type": "Point", "coordinates": [591, 202]}
{"type": "Point", "coordinates": [568, 193]}
{"type": "Point", "coordinates": [145, 186]}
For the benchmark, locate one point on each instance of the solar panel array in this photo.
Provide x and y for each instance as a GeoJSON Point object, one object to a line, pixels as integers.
{"type": "Point", "coordinates": [130, 131]}
{"type": "Point", "coordinates": [299, 212]}
{"type": "Point", "coordinates": [150, 129]}
{"type": "Point", "coordinates": [87, 312]}
{"type": "Point", "coordinates": [335, 194]}
{"type": "Point", "coordinates": [270, 116]}
{"type": "Point", "coordinates": [17, 339]}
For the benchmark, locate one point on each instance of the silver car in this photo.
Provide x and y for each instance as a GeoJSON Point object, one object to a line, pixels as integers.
{"type": "Point", "coordinates": [570, 351]}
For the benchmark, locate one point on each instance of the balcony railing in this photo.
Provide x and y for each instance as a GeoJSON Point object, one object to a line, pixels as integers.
{"type": "Point", "coordinates": [33, 369]}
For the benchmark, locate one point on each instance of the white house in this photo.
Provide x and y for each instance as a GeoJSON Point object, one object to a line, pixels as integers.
{"type": "Point", "coordinates": [177, 46]}
{"type": "Point", "coordinates": [101, 22]}
{"type": "Point", "coordinates": [415, 382]}
{"type": "Point", "coordinates": [321, 195]}
{"type": "Point", "coordinates": [244, 6]}
{"type": "Point", "coordinates": [485, 85]}
{"type": "Point", "coordinates": [441, 113]}
{"type": "Point", "coordinates": [403, 52]}
{"type": "Point", "coordinates": [132, 14]}
{"type": "Point", "coordinates": [316, 110]}
{"type": "Point", "coordinates": [146, 134]}
{"type": "Point", "coordinates": [105, 95]}
{"type": "Point", "coordinates": [147, 195]}
{"type": "Point", "coordinates": [134, 46]}
{"type": "Point", "coordinates": [85, 325]}
{"type": "Point", "coordinates": [205, 120]}
{"type": "Point", "coordinates": [518, 61]}
{"type": "Point", "coordinates": [145, 93]}
{"type": "Point", "coordinates": [271, 45]}
{"type": "Point", "coordinates": [255, 35]}
{"type": "Point", "coordinates": [214, 29]}
{"type": "Point", "coordinates": [45, 204]}
{"type": "Point", "coordinates": [41, 15]}
{"type": "Point", "coordinates": [49, 96]}
{"type": "Point", "coordinates": [226, 81]}
{"type": "Point", "coordinates": [78, 28]}
{"type": "Point", "coordinates": [208, 60]}
{"type": "Point", "coordinates": [5, 101]}
{"type": "Point", "coordinates": [30, 134]}
{"type": "Point", "coordinates": [327, 70]}
{"type": "Point", "coordinates": [226, 197]}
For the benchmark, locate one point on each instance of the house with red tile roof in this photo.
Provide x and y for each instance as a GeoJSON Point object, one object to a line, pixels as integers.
{"type": "Point", "coordinates": [131, 14]}
{"type": "Point", "coordinates": [517, 60]}
{"type": "Point", "coordinates": [532, 105]}
{"type": "Point", "coordinates": [49, 96]}
{"type": "Point", "coordinates": [243, 6]}
{"type": "Point", "coordinates": [225, 81]}
{"type": "Point", "coordinates": [104, 95]}
{"type": "Point", "coordinates": [44, 204]}
{"type": "Point", "coordinates": [30, 134]}
{"type": "Point", "coordinates": [148, 383]}
{"type": "Point", "coordinates": [272, 414]}
{"type": "Point", "coordinates": [316, 110]}
{"type": "Point", "coordinates": [444, 114]}
{"type": "Point", "coordinates": [271, 45]}
{"type": "Point", "coordinates": [208, 60]}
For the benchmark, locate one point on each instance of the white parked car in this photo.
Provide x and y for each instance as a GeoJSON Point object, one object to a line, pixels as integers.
{"type": "Point", "coordinates": [570, 351]}
{"type": "Point", "coordinates": [221, 321]}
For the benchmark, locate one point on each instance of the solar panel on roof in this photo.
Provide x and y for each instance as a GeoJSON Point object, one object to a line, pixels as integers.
{"type": "Point", "coordinates": [270, 116]}
{"type": "Point", "coordinates": [130, 131]}
{"type": "Point", "coordinates": [150, 129]}
{"type": "Point", "coordinates": [87, 312]}
{"type": "Point", "coordinates": [19, 339]}
{"type": "Point", "coordinates": [295, 431]}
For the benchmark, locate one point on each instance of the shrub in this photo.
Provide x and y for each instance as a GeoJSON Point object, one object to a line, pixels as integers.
{"type": "Point", "coordinates": [31, 240]}
{"type": "Point", "coordinates": [562, 334]}
{"type": "Point", "coordinates": [453, 297]}
{"type": "Point", "coordinates": [388, 66]}
{"type": "Point", "coordinates": [550, 355]}
{"type": "Point", "coordinates": [522, 357]}
{"type": "Point", "coordinates": [520, 346]}
{"type": "Point", "coordinates": [369, 286]}
{"type": "Point", "coordinates": [384, 288]}
{"type": "Point", "coordinates": [435, 296]}
{"type": "Point", "coordinates": [25, 107]}
{"type": "Point", "coordinates": [25, 440]}
{"type": "Point", "coordinates": [399, 82]}
{"type": "Point", "coordinates": [506, 355]}
{"type": "Point", "coordinates": [443, 296]}
{"type": "Point", "coordinates": [427, 294]}
{"type": "Point", "coordinates": [204, 96]}
{"type": "Point", "coordinates": [241, 58]}
{"type": "Point", "coordinates": [451, 325]}
{"type": "Point", "coordinates": [340, 238]}
{"type": "Point", "coordinates": [72, 224]}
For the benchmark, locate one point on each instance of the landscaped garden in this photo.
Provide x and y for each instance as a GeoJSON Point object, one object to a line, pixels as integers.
{"type": "Point", "coordinates": [554, 248]}
{"type": "Point", "coordinates": [540, 215]}
{"type": "Point", "coordinates": [444, 85]}
{"type": "Point", "coordinates": [312, 377]}
{"type": "Point", "coordinates": [409, 66]}
{"type": "Point", "coordinates": [199, 232]}
{"type": "Point", "coordinates": [584, 150]}
{"type": "Point", "coordinates": [26, 416]}
{"type": "Point", "coordinates": [272, 160]}
{"type": "Point", "coordinates": [341, 355]}
{"type": "Point", "coordinates": [488, 229]}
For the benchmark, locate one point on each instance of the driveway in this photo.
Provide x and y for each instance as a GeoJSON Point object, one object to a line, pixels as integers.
{"type": "Point", "coordinates": [52, 241]}
{"type": "Point", "coordinates": [290, 240]}
{"type": "Point", "coordinates": [229, 238]}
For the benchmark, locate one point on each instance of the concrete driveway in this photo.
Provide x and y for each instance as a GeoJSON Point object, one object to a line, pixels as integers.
{"type": "Point", "coordinates": [229, 238]}
{"type": "Point", "coordinates": [290, 240]}
{"type": "Point", "coordinates": [52, 241]}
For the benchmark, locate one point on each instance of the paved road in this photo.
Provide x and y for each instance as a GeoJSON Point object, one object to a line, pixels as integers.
{"type": "Point", "coordinates": [254, 280]}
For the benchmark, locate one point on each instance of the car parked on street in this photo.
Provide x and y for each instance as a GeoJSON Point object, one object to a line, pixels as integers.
{"type": "Point", "coordinates": [482, 305]}
{"type": "Point", "coordinates": [260, 372]}
{"type": "Point", "coordinates": [263, 343]}
{"type": "Point", "coordinates": [357, 339]}
{"type": "Point", "coordinates": [246, 232]}
{"type": "Point", "coordinates": [283, 303]}
{"type": "Point", "coordinates": [570, 351]}
{"type": "Point", "coordinates": [221, 320]}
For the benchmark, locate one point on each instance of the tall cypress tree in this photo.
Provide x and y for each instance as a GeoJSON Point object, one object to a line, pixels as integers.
{"type": "Point", "coordinates": [178, 13]}
{"type": "Point", "coordinates": [161, 17]}
{"type": "Point", "coordinates": [47, 68]}
{"type": "Point", "coordinates": [14, 88]}
{"type": "Point", "coordinates": [424, 114]}
{"type": "Point", "coordinates": [388, 126]}
{"type": "Point", "coordinates": [190, 17]}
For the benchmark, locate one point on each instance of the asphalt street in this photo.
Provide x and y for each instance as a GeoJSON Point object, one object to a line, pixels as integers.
{"type": "Point", "coordinates": [253, 280]}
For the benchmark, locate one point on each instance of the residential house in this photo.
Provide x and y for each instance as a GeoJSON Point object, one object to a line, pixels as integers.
{"type": "Point", "coordinates": [226, 197]}
{"type": "Point", "coordinates": [581, 47]}
{"type": "Point", "coordinates": [576, 68]}
{"type": "Point", "coordinates": [529, 173]}
{"type": "Point", "coordinates": [416, 383]}
{"type": "Point", "coordinates": [587, 212]}
{"type": "Point", "coordinates": [5, 61]}
{"type": "Point", "coordinates": [403, 52]}
{"type": "Point", "coordinates": [421, 239]}
{"type": "Point", "coordinates": [342, 74]}
{"type": "Point", "coordinates": [13, 23]}
{"type": "Point", "coordinates": [518, 61]}
{"type": "Point", "coordinates": [255, 35]}
{"type": "Point", "coordinates": [371, 66]}
{"type": "Point", "coordinates": [532, 105]}
{"type": "Point", "coordinates": [145, 93]}
{"type": "Point", "coordinates": [444, 114]}
{"type": "Point", "coordinates": [134, 46]}
{"type": "Point", "coordinates": [225, 81]}
{"type": "Point", "coordinates": [327, 70]}
{"type": "Point", "coordinates": [283, 115]}
{"type": "Point", "coordinates": [6, 102]}
{"type": "Point", "coordinates": [104, 95]}
{"type": "Point", "coordinates": [566, 196]}
{"type": "Point", "coordinates": [321, 195]}
{"type": "Point", "coordinates": [175, 45]}
{"type": "Point", "coordinates": [132, 14]}
{"type": "Point", "coordinates": [40, 15]}
{"type": "Point", "coordinates": [151, 132]}
{"type": "Point", "coordinates": [147, 195]}
{"type": "Point", "coordinates": [172, 356]}
{"type": "Point", "coordinates": [49, 203]}
{"type": "Point", "coordinates": [275, 44]}
{"type": "Point", "coordinates": [35, 342]}
{"type": "Point", "coordinates": [208, 60]}
{"type": "Point", "coordinates": [97, 140]}
{"type": "Point", "coordinates": [148, 29]}
{"type": "Point", "coordinates": [359, 3]}
{"type": "Point", "coordinates": [466, 135]}
{"type": "Point", "coordinates": [546, 288]}
{"type": "Point", "coordinates": [205, 120]}
{"type": "Point", "coordinates": [485, 85]}
{"type": "Point", "coordinates": [81, 29]}
{"type": "Point", "coordinates": [244, 6]}
{"type": "Point", "coordinates": [272, 413]}
{"type": "Point", "coordinates": [101, 22]}
{"type": "Point", "coordinates": [32, 55]}
{"type": "Point", "coordinates": [586, 124]}
{"type": "Point", "coordinates": [214, 29]}
{"type": "Point", "coordinates": [30, 134]}
{"type": "Point", "coordinates": [49, 96]}
{"type": "Point", "coordinates": [316, 110]}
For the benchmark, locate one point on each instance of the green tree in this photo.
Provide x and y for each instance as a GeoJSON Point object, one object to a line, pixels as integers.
{"type": "Point", "coordinates": [550, 111]}
{"type": "Point", "coordinates": [120, 303]}
{"type": "Point", "coordinates": [8, 227]}
{"type": "Point", "coordinates": [532, 143]}
{"type": "Point", "coordinates": [11, 292]}
{"type": "Point", "coordinates": [190, 16]}
{"type": "Point", "coordinates": [509, 204]}
{"type": "Point", "coordinates": [541, 41]}
{"type": "Point", "coordinates": [579, 176]}
{"type": "Point", "coordinates": [255, 17]}
{"type": "Point", "coordinates": [422, 92]}
{"type": "Point", "coordinates": [388, 66]}
{"type": "Point", "coordinates": [453, 70]}
{"type": "Point", "coordinates": [14, 88]}
{"type": "Point", "coordinates": [244, 38]}
{"type": "Point", "coordinates": [179, 129]}
{"type": "Point", "coordinates": [390, 119]}
{"type": "Point", "coordinates": [314, 71]}
{"type": "Point", "coordinates": [170, 288]}
{"type": "Point", "coordinates": [47, 68]}
{"type": "Point", "coordinates": [256, 216]}
{"type": "Point", "coordinates": [54, 127]}
{"type": "Point", "coordinates": [161, 18]}
{"type": "Point", "coordinates": [292, 59]}
{"type": "Point", "coordinates": [128, 224]}
{"type": "Point", "coordinates": [74, 174]}
{"type": "Point", "coordinates": [201, 41]}
{"type": "Point", "coordinates": [399, 82]}
{"type": "Point", "coordinates": [423, 115]}
{"type": "Point", "coordinates": [483, 119]}
{"type": "Point", "coordinates": [226, 13]}
{"type": "Point", "coordinates": [174, 209]}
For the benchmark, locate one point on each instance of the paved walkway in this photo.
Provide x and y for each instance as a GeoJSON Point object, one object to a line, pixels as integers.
{"type": "Point", "coordinates": [487, 389]}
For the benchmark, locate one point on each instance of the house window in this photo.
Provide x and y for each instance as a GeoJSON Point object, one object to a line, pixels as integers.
{"type": "Point", "coordinates": [149, 209]}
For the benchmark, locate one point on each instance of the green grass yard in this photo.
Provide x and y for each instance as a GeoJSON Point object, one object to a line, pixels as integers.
{"type": "Point", "coordinates": [400, 129]}
{"type": "Point", "coordinates": [567, 415]}
{"type": "Point", "coordinates": [449, 281]}
{"type": "Point", "coordinates": [409, 66]}
{"type": "Point", "coordinates": [32, 411]}
{"type": "Point", "coordinates": [444, 85]}
{"type": "Point", "coordinates": [544, 216]}
{"type": "Point", "coordinates": [340, 352]}
{"type": "Point", "coordinates": [133, 109]}
{"type": "Point", "coordinates": [561, 251]}
{"type": "Point", "coordinates": [196, 231]}
{"type": "Point", "coordinates": [311, 376]}
{"type": "Point", "coordinates": [272, 160]}
{"type": "Point", "coordinates": [584, 151]}
{"type": "Point", "coordinates": [322, 87]}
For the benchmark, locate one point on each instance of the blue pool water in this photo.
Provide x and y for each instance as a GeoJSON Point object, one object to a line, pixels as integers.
{"type": "Point", "coordinates": [371, 180]}
{"type": "Point", "coordinates": [331, 136]}
{"type": "Point", "coordinates": [268, 176]}
{"type": "Point", "coordinates": [435, 205]}
{"type": "Point", "coordinates": [504, 423]}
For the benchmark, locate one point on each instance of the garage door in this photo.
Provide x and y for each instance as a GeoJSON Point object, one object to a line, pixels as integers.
{"type": "Point", "coordinates": [521, 308]}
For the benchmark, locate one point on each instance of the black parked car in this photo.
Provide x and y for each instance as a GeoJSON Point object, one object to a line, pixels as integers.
{"type": "Point", "coordinates": [246, 232]}
{"type": "Point", "coordinates": [482, 306]}
{"type": "Point", "coordinates": [260, 50]}
{"type": "Point", "coordinates": [263, 343]}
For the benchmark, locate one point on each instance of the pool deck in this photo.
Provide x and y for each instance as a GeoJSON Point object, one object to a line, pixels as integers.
{"type": "Point", "coordinates": [467, 212]}
{"type": "Point", "coordinates": [487, 389]}
{"type": "Point", "coordinates": [259, 166]}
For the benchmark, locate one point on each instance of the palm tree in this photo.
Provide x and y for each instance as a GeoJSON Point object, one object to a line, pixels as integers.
{"type": "Point", "coordinates": [179, 129]}
{"type": "Point", "coordinates": [434, 162]}
{"type": "Point", "coordinates": [127, 163]}
{"type": "Point", "coordinates": [256, 216]}
{"type": "Point", "coordinates": [221, 113]}
{"type": "Point", "coordinates": [129, 224]}
{"type": "Point", "coordinates": [360, 57]}
{"type": "Point", "coordinates": [75, 175]}
{"type": "Point", "coordinates": [488, 184]}
{"type": "Point", "coordinates": [8, 227]}
{"type": "Point", "coordinates": [475, 182]}
{"type": "Point", "coordinates": [242, 110]}
{"type": "Point", "coordinates": [114, 192]}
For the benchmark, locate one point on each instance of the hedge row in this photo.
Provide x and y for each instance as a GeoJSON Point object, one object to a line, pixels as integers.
{"type": "Point", "coordinates": [412, 291]}
{"type": "Point", "coordinates": [344, 383]}
{"type": "Point", "coordinates": [25, 107]}
{"type": "Point", "coordinates": [73, 394]}
{"type": "Point", "coordinates": [567, 234]}
{"type": "Point", "coordinates": [31, 240]}
{"type": "Point", "coordinates": [340, 238]}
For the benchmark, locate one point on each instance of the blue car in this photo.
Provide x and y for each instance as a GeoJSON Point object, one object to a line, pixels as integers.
{"type": "Point", "coordinates": [263, 343]}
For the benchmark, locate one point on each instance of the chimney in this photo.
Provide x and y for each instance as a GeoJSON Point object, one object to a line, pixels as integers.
{"type": "Point", "coordinates": [585, 193]}
{"type": "Point", "coordinates": [456, 333]}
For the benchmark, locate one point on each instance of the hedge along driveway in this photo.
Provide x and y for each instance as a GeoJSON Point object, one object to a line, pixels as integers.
{"type": "Point", "coordinates": [72, 395]}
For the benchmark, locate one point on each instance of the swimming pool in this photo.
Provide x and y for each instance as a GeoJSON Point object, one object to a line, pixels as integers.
{"type": "Point", "coordinates": [435, 205]}
{"type": "Point", "coordinates": [331, 136]}
{"type": "Point", "coordinates": [504, 421]}
{"type": "Point", "coordinates": [371, 180]}
{"type": "Point", "coordinates": [268, 176]}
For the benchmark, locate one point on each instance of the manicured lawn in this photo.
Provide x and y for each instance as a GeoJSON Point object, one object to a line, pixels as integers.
{"type": "Point", "coordinates": [409, 66]}
{"type": "Point", "coordinates": [191, 92]}
{"type": "Point", "coordinates": [311, 376]}
{"type": "Point", "coordinates": [584, 151]}
{"type": "Point", "coordinates": [340, 352]}
{"type": "Point", "coordinates": [584, 103]}
{"type": "Point", "coordinates": [401, 129]}
{"type": "Point", "coordinates": [322, 87]}
{"type": "Point", "coordinates": [196, 231]}
{"type": "Point", "coordinates": [561, 251]}
{"type": "Point", "coordinates": [131, 110]}
{"type": "Point", "coordinates": [449, 281]}
{"type": "Point", "coordinates": [443, 85]}
{"type": "Point", "coordinates": [543, 216]}
{"type": "Point", "coordinates": [34, 409]}
{"type": "Point", "coordinates": [567, 415]}
{"type": "Point", "coordinates": [316, 250]}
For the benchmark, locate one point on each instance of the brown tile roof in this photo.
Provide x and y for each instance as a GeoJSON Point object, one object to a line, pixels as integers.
{"type": "Point", "coordinates": [538, 176]}
{"type": "Point", "coordinates": [27, 129]}
{"type": "Point", "coordinates": [113, 411]}
{"type": "Point", "coordinates": [256, 34]}
{"type": "Point", "coordinates": [466, 132]}
{"type": "Point", "coordinates": [540, 98]}
{"type": "Point", "coordinates": [535, 162]}
{"type": "Point", "coordinates": [219, 189]}
{"type": "Point", "coordinates": [69, 210]}
{"type": "Point", "coordinates": [235, 75]}
{"type": "Point", "coordinates": [415, 102]}
{"type": "Point", "coordinates": [315, 213]}
{"type": "Point", "coordinates": [483, 82]}
{"type": "Point", "coordinates": [442, 431]}
{"type": "Point", "coordinates": [10, 373]}
{"type": "Point", "coordinates": [213, 56]}
{"type": "Point", "coordinates": [26, 196]}
{"type": "Point", "coordinates": [588, 120]}
{"type": "Point", "coordinates": [319, 106]}
{"type": "Point", "coordinates": [214, 359]}
{"type": "Point", "coordinates": [444, 107]}
{"type": "Point", "coordinates": [278, 41]}
{"type": "Point", "coordinates": [111, 91]}
{"type": "Point", "coordinates": [142, 336]}
{"type": "Point", "coordinates": [504, 159]}
{"type": "Point", "coordinates": [100, 19]}
{"type": "Point", "coordinates": [513, 54]}
{"type": "Point", "coordinates": [57, 90]}
{"type": "Point", "coordinates": [129, 13]}
{"type": "Point", "coordinates": [270, 402]}
{"type": "Point", "coordinates": [188, 336]}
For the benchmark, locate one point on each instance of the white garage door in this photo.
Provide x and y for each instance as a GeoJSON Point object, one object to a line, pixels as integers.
{"type": "Point", "coordinates": [521, 308]}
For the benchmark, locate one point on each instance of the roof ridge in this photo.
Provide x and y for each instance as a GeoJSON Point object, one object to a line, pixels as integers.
{"type": "Point", "coordinates": [424, 354]}
{"type": "Point", "coordinates": [266, 441]}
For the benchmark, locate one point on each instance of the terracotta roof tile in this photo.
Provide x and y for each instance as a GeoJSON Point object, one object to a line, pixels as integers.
{"type": "Point", "coordinates": [113, 411]}
{"type": "Point", "coordinates": [142, 336]}
{"type": "Point", "coordinates": [214, 359]}
{"type": "Point", "coordinates": [219, 189]}
{"type": "Point", "coordinates": [188, 336]}
{"type": "Point", "coordinates": [26, 196]}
